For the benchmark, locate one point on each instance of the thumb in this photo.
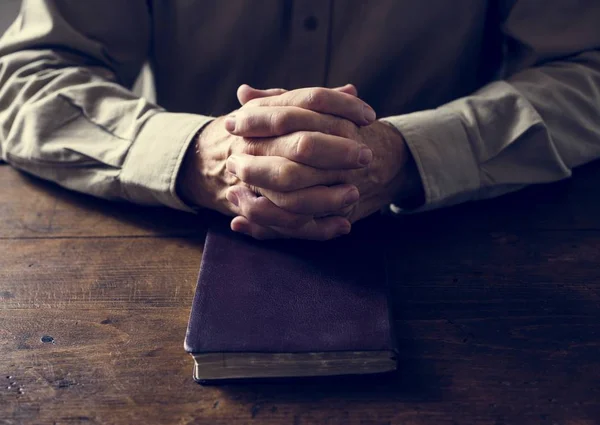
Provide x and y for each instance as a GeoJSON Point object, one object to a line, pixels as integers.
{"type": "Point", "coordinates": [348, 89]}
{"type": "Point", "coordinates": [246, 93]}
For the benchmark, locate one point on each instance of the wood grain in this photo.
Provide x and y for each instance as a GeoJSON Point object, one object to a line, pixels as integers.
{"type": "Point", "coordinates": [496, 307]}
{"type": "Point", "coordinates": [31, 208]}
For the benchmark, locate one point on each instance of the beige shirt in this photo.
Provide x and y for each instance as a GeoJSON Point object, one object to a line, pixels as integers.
{"type": "Point", "coordinates": [491, 95]}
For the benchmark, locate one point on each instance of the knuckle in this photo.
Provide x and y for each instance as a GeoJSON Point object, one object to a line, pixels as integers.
{"type": "Point", "coordinates": [246, 124]}
{"type": "Point", "coordinates": [243, 171]}
{"type": "Point", "coordinates": [316, 98]}
{"type": "Point", "coordinates": [305, 146]}
{"type": "Point", "coordinates": [284, 177]}
{"type": "Point", "coordinates": [252, 147]}
{"type": "Point", "coordinates": [280, 122]}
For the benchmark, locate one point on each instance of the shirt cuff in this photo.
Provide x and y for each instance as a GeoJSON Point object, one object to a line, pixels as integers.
{"type": "Point", "coordinates": [150, 171]}
{"type": "Point", "coordinates": [439, 144]}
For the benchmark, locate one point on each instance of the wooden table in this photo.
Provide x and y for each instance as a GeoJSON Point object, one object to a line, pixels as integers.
{"type": "Point", "coordinates": [497, 310]}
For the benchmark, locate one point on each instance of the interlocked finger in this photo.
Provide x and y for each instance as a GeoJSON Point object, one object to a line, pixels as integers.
{"type": "Point", "coordinates": [260, 210]}
{"type": "Point", "coordinates": [280, 174]}
{"type": "Point", "coordinates": [318, 229]}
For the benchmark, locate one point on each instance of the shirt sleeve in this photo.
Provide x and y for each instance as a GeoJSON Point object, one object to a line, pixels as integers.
{"type": "Point", "coordinates": [66, 110]}
{"type": "Point", "coordinates": [533, 126]}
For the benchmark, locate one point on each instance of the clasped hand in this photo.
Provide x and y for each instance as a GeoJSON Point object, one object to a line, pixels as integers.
{"type": "Point", "coordinates": [305, 163]}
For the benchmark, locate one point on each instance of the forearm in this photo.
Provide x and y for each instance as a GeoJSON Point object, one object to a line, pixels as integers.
{"type": "Point", "coordinates": [534, 126]}
{"type": "Point", "coordinates": [67, 115]}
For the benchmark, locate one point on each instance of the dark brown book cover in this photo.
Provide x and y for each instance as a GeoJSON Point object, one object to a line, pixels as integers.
{"type": "Point", "coordinates": [290, 296]}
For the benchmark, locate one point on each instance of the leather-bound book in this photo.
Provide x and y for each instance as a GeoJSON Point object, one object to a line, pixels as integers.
{"type": "Point", "coordinates": [271, 309]}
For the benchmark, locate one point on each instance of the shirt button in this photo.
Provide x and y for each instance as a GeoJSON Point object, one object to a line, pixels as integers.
{"type": "Point", "coordinates": [311, 23]}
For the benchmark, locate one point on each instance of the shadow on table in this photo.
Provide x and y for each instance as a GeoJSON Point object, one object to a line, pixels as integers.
{"type": "Point", "coordinates": [160, 221]}
{"type": "Point", "coordinates": [414, 380]}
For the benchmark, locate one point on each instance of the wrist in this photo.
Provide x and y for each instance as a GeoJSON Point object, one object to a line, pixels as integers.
{"type": "Point", "coordinates": [183, 186]}
{"type": "Point", "coordinates": [412, 193]}
{"type": "Point", "coordinates": [191, 179]}
{"type": "Point", "coordinates": [407, 192]}
{"type": "Point", "coordinates": [202, 180]}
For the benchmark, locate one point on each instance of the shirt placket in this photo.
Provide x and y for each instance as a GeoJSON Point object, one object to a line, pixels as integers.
{"type": "Point", "coordinates": [309, 40]}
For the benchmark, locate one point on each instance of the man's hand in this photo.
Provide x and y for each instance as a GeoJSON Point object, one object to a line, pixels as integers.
{"type": "Point", "coordinates": [391, 173]}
{"type": "Point", "coordinates": [324, 117]}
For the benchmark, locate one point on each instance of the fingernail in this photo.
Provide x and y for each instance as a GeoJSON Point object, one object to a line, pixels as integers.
{"type": "Point", "coordinates": [241, 228]}
{"type": "Point", "coordinates": [365, 156]}
{"type": "Point", "coordinates": [351, 197]}
{"type": "Point", "coordinates": [233, 198]}
{"type": "Point", "coordinates": [231, 165]}
{"type": "Point", "coordinates": [230, 123]}
{"type": "Point", "coordinates": [369, 113]}
{"type": "Point", "coordinates": [344, 229]}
